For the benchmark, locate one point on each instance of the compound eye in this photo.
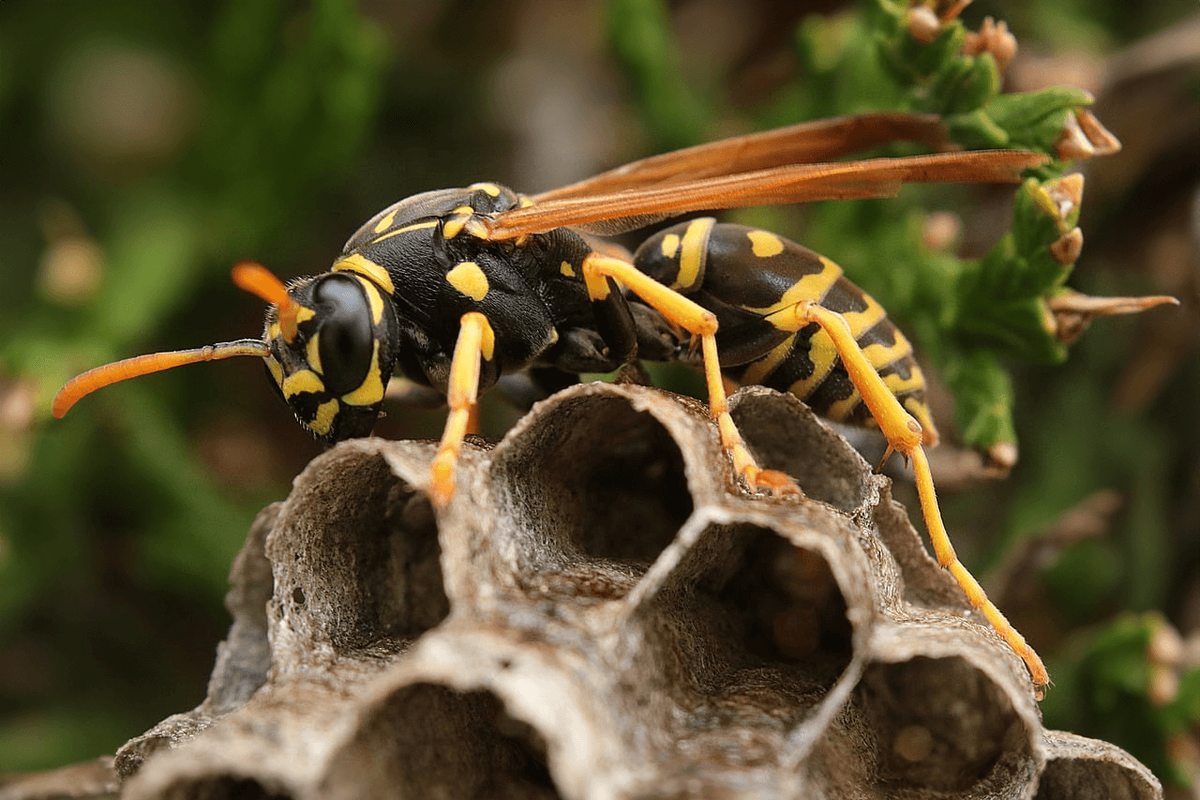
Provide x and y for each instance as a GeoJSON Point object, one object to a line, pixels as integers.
{"type": "Point", "coordinates": [346, 342]}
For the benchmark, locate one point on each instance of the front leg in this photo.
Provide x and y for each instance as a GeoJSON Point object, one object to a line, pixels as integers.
{"type": "Point", "coordinates": [476, 343]}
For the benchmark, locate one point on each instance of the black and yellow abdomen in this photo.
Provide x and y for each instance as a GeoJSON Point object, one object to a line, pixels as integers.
{"type": "Point", "coordinates": [751, 279]}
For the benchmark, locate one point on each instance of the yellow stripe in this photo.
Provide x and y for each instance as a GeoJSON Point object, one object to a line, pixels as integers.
{"type": "Point", "coordinates": [670, 245]}
{"type": "Point", "coordinates": [757, 372]}
{"type": "Point", "coordinates": [326, 412]}
{"type": "Point", "coordinates": [694, 244]}
{"type": "Point", "coordinates": [880, 355]}
{"type": "Point", "coordinates": [842, 408]}
{"type": "Point", "coordinates": [313, 352]}
{"type": "Point", "coordinates": [300, 382]}
{"type": "Point", "coordinates": [898, 386]}
{"type": "Point", "coordinates": [764, 244]}
{"type": "Point", "coordinates": [469, 279]}
{"type": "Point", "coordinates": [276, 370]}
{"type": "Point", "coordinates": [387, 221]}
{"type": "Point", "coordinates": [822, 354]}
{"type": "Point", "coordinates": [862, 321]}
{"type": "Point", "coordinates": [356, 262]}
{"type": "Point", "coordinates": [811, 287]}
{"type": "Point", "coordinates": [374, 299]}
{"type": "Point", "coordinates": [370, 391]}
{"type": "Point", "coordinates": [416, 226]}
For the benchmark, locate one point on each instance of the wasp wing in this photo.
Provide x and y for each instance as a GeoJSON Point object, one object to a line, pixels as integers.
{"type": "Point", "coordinates": [622, 209]}
{"type": "Point", "coordinates": [805, 143]}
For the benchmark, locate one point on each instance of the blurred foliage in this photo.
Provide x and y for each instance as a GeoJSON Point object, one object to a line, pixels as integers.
{"type": "Point", "coordinates": [147, 149]}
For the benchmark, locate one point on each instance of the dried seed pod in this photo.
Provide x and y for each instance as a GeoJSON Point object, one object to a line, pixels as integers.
{"type": "Point", "coordinates": [601, 612]}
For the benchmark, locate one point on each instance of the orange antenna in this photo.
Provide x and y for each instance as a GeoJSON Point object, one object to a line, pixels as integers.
{"type": "Point", "coordinates": [83, 385]}
{"type": "Point", "coordinates": [259, 281]}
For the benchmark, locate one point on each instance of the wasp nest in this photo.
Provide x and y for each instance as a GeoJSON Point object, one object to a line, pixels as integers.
{"type": "Point", "coordinates": [602, 613]}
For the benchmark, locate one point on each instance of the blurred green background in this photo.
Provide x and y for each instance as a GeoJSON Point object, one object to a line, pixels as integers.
{"type": "Point", "coordinates": [147, 147]}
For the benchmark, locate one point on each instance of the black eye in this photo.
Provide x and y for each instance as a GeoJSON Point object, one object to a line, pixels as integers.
{"type": "Point", "coordinates": [346, 343]}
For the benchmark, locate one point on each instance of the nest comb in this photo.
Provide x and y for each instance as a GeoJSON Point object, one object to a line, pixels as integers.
{"type": "Point", "coordinates": [602, 613]}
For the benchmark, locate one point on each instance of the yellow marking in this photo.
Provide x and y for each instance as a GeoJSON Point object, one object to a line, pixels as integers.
{"type": "Point", "coordinates": [454, 225]}
{"type": "Point", "coordinates": [387, 221]}
{"type": "Point", "coordinates": [487, 346]}
{"type": "Point", "coordinates": [312, 352]}
{"type": "Point", "coordinates": [567, 269]}
{"type": "Point", "coordinates": [523, 201]}
{"type": "Point", "coordinates": [370, 391]}
{"type": "Point", "coordinates": [469, 279]}
{"type": "Point", "coordinates": [487, 188]}
{"type": "Point", "coordinates": [898, 386]}
{"type": "Point", "coordinates": [356, 262]}
{"type": "Point", "coordinates": [276, 370]}
{"type": "Point", "coordinates": [694, 245]}
{"type": "Point", "coordinates": [822, 354]}
{"type": "Point", "coordinates": [323, 421]}
{"type": "Point", "coordinates": [304, 314]}
{"type": "Point", "coordinates": [841, 409]}
{"type": "Point", "coordinates": [416, 226]}
{"type": "Point", "coordinates": [861, 321]}
{"type": "Point", "coordinates": [553, 337]}
{"type": "Point", "coordinates": [881, 355]}
{"type": "Point", "coordinates": [765, 245]}
{"type": "Point", "coordinates": [300, 382]}
{"type": "Point", "coordinates": [374, 299]}
{"type": "Point", "coordinates": [811, 287]}
{"type": "Point", "coordinates": [757, 372]}
{"type": "Point", "coordinates": [670, 244]}
{"type": "Point", "coordinates": [273, 331]}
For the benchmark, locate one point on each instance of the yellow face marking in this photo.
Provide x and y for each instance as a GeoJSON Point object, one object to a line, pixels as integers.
{"type": "Point", "coordinates": [374, 299]}
{"type": "Point", "coordinates": [416, 226]}
{"type": "Point", "coordinates": [356, 262]}
{"type": "Point", "coordinates": [842, 408]}
{"type": "Point", "coordinates": [300, 382]}
{"type": "Point", "coordinates": [566, 268]}
{"type": "Point", "coordinates": [312, 352]}
{"type": "Point", "coordinates": [370, 391]}
{"type": "Point", "coordinates": [386, 222]}
{"type": "Point", "coordinates": [810, 287]}
{"type": "Point", "coordinates": [862, 321]}
{"type": "Point", "coordinates": [469, 279]}
{"type": "Point", "coordinates": [323, 421]}
{"type": "Point", "coordinates": [880, 355]}
{"type": "Point", "coordinates": [692, 256]}
{"type": "Point", "coordinates": [822, 354]}
{"type": "Point", "coordinates": [670, 245]}
{"type": "Point", "coordinates": [276, 370]}
{"type": "Point", "coordinates": [765, 245]}
{"type": "Point", "coordinates": [757, 372]}
{"type": "Point", "coordinates": [273, 331]}
{"type": "Point", "coordinates": [487, 188]}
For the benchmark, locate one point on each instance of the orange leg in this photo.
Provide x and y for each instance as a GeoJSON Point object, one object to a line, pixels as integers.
{"type": "Point", "coordinates": [476, 342]}
{"type": "Point", "coordinates": [698, 321]}
{"type": "Point", "coordinates": [904, 436]}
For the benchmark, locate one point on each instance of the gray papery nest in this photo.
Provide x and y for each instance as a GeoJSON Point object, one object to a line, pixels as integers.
{"type": "Point", "coordinates": [602, 613]}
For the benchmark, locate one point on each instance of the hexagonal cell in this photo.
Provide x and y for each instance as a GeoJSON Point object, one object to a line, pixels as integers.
{"type": "Point", "coordinates": [428, 740]}
{"type": "Point", "coordinates": [1078, 768]}
{"type": "Point", "coordinates": [785, 435]}
{"type": "Point", "coordinates": [590, 483]}
{"type": "Point", "coordinates": [222, 787]}
{"type": "Point", "coordinates": [941, 725]}
{"type": "Point", "coordinates": [356, 555]}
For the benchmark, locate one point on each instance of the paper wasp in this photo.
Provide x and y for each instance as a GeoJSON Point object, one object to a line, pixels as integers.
{"type": "Point", "coordinates": [458, 287]}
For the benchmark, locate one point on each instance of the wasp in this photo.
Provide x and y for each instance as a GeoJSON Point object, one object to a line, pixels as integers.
{"type": "Point", "coordinates": [459, 287]}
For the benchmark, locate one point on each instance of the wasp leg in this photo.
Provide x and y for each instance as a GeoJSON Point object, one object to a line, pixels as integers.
{"type": "Point", "coordinates": [904, 435]}
{"type": "Point", "coordinates": [600, 271]}
{"type": "Point", "coordinates": [476, 342]}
